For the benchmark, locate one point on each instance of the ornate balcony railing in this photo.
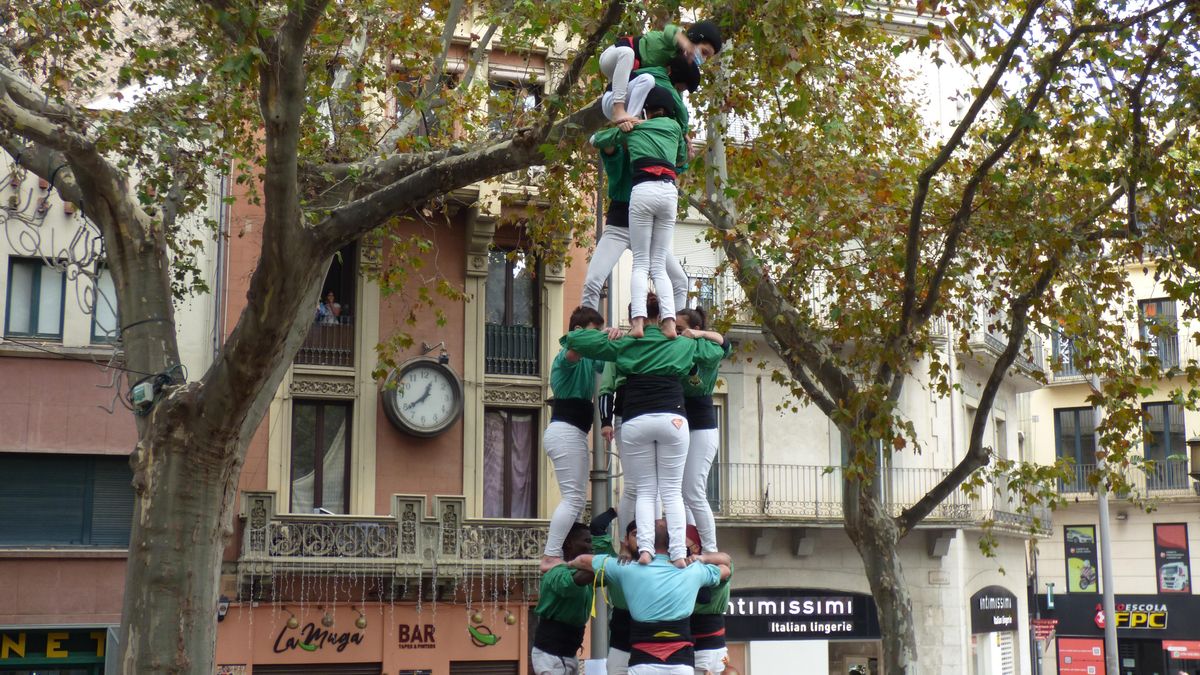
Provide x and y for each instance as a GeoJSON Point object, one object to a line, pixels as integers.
{"type": "Point", "coordinates": [1165, 479]}
{"type": "Point", "coordinates": [403, 546]}
{"type": "Point", "coordinates": [792, 492]}
{"type": "Point", "coordinates": [511, 350]}
{"type": "Point", "coordinates": [328, 344]}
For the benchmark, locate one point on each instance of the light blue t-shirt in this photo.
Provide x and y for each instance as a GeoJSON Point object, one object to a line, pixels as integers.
{"type": "Point", "coordinates": [659, 591]}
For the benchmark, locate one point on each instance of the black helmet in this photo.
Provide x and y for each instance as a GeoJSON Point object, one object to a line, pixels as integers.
{"type": "Point", "coordinates": [660, 97]}
{"type": "Point", "coordinates": [682, 71]}
{"type": "Point", "coordinates": [706, 31]}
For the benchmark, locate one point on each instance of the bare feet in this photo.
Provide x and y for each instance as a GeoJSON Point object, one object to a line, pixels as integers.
{"type": "Point", "coordinates": [680, 563]}
{"type": "Point", "coordinates": [645, 558]}
{"type": "Point", "coordinates": [637, 327]}
{"type": "Point", "coordinates": [549, 562]}
{"type": "Point", "coordinates": [668, 329]}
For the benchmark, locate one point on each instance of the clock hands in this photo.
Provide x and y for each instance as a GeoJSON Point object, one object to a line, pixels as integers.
{"type": "Point", "coordinates": [428, 391]}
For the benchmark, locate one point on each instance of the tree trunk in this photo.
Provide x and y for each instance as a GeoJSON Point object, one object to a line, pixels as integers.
{"type": "Point", "coordinates": [876, 536]}
{"type": "Point", "coordinates": [183, 482]}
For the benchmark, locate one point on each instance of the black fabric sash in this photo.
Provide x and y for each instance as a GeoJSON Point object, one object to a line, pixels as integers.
{"type": "Point", "coordinates": [645, 394]}
{"type": "Point", "coordinates": [574, 411]}
{"type": "Point", "coordinates": [618, 629]}
{"type": "Point", "coordinates": [701, 413]}
{"type": "Point", "coordinates": [661, 642]}
{"type": "Point", "coordinates": [558, 638]}
{"type": "Point", "coordinates": [708, 630]}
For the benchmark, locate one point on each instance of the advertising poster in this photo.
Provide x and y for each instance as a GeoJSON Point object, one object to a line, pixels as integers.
{"type": "Point", "coordinates": [1081, 655]}
{"type": "Point", "coordinates": [1171, 557]}
{"type": "Point", "coordinates": [1083, 570]}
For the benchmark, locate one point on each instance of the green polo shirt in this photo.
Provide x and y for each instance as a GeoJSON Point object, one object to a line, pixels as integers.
{"type": "Point", "coordinates": [561, 599]}
{"type": "Point", "coordinates": [719, 598]}
{"type": "Point", "coordinates": [658, 47]}
{"type": "Point", "coordinates": [574, 379]}
{"type": "Point", "coordinates": [704, 379]}
{"type": "Point", "coordinates": [660, 139]}
{"type": "Point", "coordinates": [652, 354]}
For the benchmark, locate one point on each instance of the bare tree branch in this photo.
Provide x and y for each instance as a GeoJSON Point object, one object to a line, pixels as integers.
{"type": "Point", "coordinates": [916, 214]}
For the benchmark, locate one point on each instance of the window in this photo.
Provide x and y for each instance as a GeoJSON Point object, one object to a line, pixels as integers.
{"type": "Point", "coordinates": [1065, 354]}
{"type": "Point", "coordinates": [510, 463]}
{"type": "Point", "coordinates": [720, 462]}
{"type": "Point", "coordinates": [330, 340]}
{"type": "Point", "coordinates": [1075, 439]}
{"type": "Point", "coordinates": [1157, 327]}
{"type": "Point", "coordinates": [35, 299]}
{"type": "Point", "coordinates": [511, 309]}
{"type": "Point", "coordinates": [1164, 438]}
{"type": "Point", "coordinates": [511, 104]}
{"type": "Point", "coordinates": [705, 290]}
{"type": "Point", "coordinates": [65, 500]}
{"type": "Point", "coordinates": [407, 92]}
{"type": "Point", "coordinates": [320, 457]}
{"type": "Point", "coordinates": [104, 308]}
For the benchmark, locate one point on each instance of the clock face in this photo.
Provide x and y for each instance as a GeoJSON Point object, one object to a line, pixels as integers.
{"type": "Point", "coordinates": [426, 397]}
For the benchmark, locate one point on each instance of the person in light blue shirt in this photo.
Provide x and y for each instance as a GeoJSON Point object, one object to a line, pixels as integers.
{"type": "Point", "coordinates": [661, 598]}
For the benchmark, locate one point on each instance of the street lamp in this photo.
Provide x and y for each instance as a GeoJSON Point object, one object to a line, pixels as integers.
{"type": "Point", "coordinates": [1194, 450]}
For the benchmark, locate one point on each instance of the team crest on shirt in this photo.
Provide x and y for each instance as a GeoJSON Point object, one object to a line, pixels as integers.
{"type": "Point", "coordinates": [678, 422]}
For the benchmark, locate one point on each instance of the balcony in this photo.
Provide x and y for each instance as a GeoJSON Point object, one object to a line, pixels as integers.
{"type": "Point", "coordinates": [511, 350]}
{"type": "Point", "coordinates": [987, 342]}
{"type": "Point", "coordinates": [404, 547]}
{"type": "Point", "coordinates": [745, 493]}
{"type": "Point", "coordinates": [328, 344]}
{"type": "Point", "coordinates": [1167, 479]}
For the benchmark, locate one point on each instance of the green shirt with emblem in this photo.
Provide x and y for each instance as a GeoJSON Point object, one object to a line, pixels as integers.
{"type": "Point", "coordinates": [703, 378]}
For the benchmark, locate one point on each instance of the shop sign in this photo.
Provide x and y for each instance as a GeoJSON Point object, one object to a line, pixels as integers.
{"type": "Point", "coordinates": [51, 646]}
{"type": "Point", "coordinates": [1171, 557]}
{"type": "Point", "coordinates": [1165, 617]}
{"type": "Point", "coordinates": [800, 614]}
{"type": "Point", "coordinates": [1137, 616]}
{"type": "Point", "coordinates": [1182, 649]}
{"type": "Point", "coordinates": [993, 609]}
{"type": "Point", "coordinates": [313, 638]}
{"type": "Point", "coordinates": [416, 636]}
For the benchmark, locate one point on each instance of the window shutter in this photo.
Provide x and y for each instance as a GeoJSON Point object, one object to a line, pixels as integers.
{"type": "Point", "coordinates": [112, 502]}
{"type": "Point", "coordinates": [325, 669]}
{"type": "Point", "coordinates": [49, 493]}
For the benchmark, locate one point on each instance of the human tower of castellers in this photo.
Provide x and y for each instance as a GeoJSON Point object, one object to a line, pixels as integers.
{"type": "Point", "coordinates": [664, 578]}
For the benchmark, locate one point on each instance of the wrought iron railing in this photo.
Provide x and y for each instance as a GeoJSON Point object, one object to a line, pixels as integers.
{"type": "Point", "coordinates": [328, 344]}
{"type": "Point", "coordinates": [1165, 478]}
{"type": "Point", "coordinates": [511, 350]}
{"type": "Point", "coordinates": [748, 491]}
{"type": "Point", "coordinates": [405, 544]}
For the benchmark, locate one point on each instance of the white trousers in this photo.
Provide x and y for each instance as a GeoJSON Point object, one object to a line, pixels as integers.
{"type": "Point", "coordinates": [652, 209]}
{"type": "Point", "coordinates": [660, 669]}
{"type": "Point", "coordinates": [567, 447]}
{"type": "Point", "coordinates": [702, 450]}
{"type": "Point", "coordinates": [616, 63]}
{"type": "Point", "coordinates": [617, 662]}
{"type": "Point", "coordinates": [549, 664]}
{"type": "Point", "coordinates": [627, 506]}
{"type": "Point", "coordinates": [655, 454]}
{"type": "Point", "coordinates": [613, 242]}
{"type": "Point", "coordinates": [635, 97]}
{"type": "Point", "coordinates": [710, 661]}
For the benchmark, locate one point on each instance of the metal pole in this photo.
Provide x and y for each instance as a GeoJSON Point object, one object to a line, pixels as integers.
{"type": "Point", "coordinates": [600, 475]}
{"type": "Point", "coordinates": [1106, 575]}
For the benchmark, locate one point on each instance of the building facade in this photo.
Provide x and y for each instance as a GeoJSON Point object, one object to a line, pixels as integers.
{"type": "Point", "coordinates": [1158, 611]}
{"type": "Point", "coordinates": [65, 435]}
